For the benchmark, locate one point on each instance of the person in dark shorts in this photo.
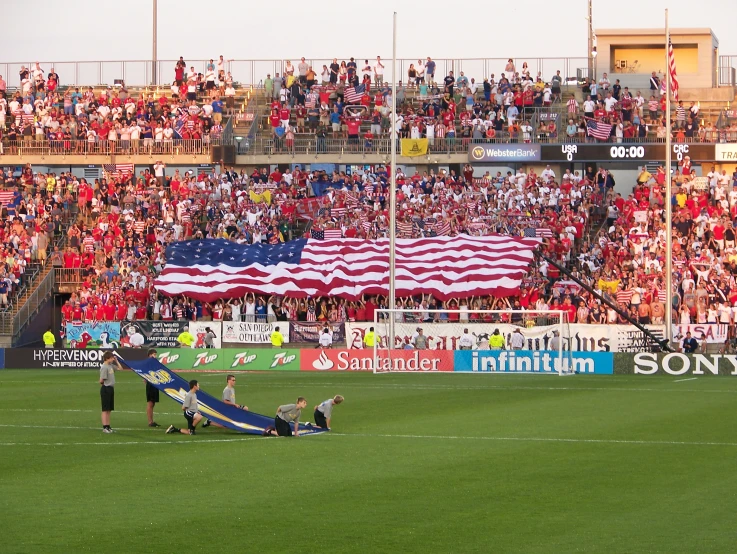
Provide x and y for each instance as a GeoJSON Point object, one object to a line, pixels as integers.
{"type": "Point", "coordinates": [286, 414]}
{"type": "Point", "coordinates": [189, 407]}
{"type": "Point", "coordinates": [325, 410]}
{"type": "Point", "coordinates": [107, 388]}
{"type": "Point", "coordinates": [152, 396]}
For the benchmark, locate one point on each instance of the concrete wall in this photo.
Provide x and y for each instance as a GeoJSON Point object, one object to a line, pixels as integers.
{"type": "Point", "coordinates": [698, 59]}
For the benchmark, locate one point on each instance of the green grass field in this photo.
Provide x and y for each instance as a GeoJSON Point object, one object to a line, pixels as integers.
{"type": "Point", "coordinates": [416, 463]}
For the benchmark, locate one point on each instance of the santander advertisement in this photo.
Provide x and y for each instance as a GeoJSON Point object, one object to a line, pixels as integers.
{"type": "Point", "coordinates": [420, 361]}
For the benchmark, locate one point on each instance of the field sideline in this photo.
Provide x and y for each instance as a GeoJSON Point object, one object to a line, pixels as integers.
{"type": "Point", "coordinates": [416, 463]}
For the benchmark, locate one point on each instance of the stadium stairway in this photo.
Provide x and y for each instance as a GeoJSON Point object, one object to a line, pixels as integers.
{"type": "Point", "coordinates": [34, 293]}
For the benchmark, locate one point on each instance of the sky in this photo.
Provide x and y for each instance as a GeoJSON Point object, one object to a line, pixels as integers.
{"type": "Point", "coordinates": [249, 29]}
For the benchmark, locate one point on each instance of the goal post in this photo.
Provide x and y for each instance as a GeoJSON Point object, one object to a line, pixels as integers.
{"type": "Point", "coordinates": [472, 341]}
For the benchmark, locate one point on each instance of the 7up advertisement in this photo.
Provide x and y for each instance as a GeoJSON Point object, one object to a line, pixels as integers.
{"type": "Point", "coordinates": [230, 359]}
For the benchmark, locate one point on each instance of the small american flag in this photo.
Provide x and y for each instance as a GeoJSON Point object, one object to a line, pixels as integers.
{"type": "Point", "coordinates": [443, 229]}
{"type": "Point", "coordinates": [672, 71]}
{"type": "Point", "coordinates": [337, 212]}
{"type": "Point", "coordinates": [333, 234]}
{"type": "Point", "coordinates": [624, 296]}
{"type": "Point", "coordinates": [543, 233]}
{"type": "Point", "coordinates": [353, 95]}
{"type": "Point", "coordinates": [119, 169]}
{"type": "Point", "coordinates": [311, 100]}
{"type": "Point", "coordinates": [598, 130]}
{"type": "Point", "coordinates": [6, 197]}
{"type": "Point", "coordinates": [405, 228]}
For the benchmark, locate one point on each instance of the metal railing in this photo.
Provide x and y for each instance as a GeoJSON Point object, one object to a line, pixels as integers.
{"type": "Point", "coordinates": [311, 145]}
{"type": "Point", "coordinates": [14, 324]}
{"type": "Point", "coordinates": [139, 72]}
{"type": "Point", "coordinates": [26, 280]}
{"type": "Point", "coordinates": [29, 146]}
{"type": "Point", "coordinates": [66, 276]}
{"type": "Point", "coordinates": [727, 71]}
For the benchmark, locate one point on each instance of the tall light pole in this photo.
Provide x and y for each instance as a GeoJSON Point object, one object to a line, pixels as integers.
{"type": "Point", "coordinates": [154, 79]}
{"type": "Point", "coordinates": [393, 187]}
{"type": "Point", "coordinates": [591, 40]}
{"type": "Point", "coordinates": [668, 196]}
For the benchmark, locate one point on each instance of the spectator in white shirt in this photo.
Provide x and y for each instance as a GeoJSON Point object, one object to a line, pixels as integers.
{"type": "Point", "coordinates": [466, 341]}
{"type": "Point", "coordinates": [326, 338]}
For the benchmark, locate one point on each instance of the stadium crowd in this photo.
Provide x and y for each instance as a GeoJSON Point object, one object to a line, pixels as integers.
{"type": "Point", "coordinates": [118, 246]}
{"type": "Point", "coordinates": [130, 220]}
{"type": "Point", "coordinates": [30, 224]}
{"type": "Point", "coordinates": [352, 101]}
{"type": "Point", "coordinates": [110, 120]}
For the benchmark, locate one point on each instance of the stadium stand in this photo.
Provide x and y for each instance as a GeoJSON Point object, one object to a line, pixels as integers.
{"type": "Point", "coordinates": [120, 225]}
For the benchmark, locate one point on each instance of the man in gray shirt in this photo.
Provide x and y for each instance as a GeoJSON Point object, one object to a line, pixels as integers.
{"type": "Point", "coordinates": [325, 410]}
{"type": "Point", "coordinates": [286, 414]}
{"type": "Point", "coordinates": [210, 337]}
{"type": "Point", "coordinates": [189, 407]}
{"type": "Point", "coordinates": [107, 388]}
{"type": "Point", "coordinates": [228, 398]}
{"type": "Point", "coordinates": [420, 340]}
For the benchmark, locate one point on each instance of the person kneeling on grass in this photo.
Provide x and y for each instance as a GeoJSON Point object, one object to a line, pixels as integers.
{"type": "Point", "coordinates": [228, 398]}
{"type": "Point", "coordinates": [325, 410]}
{"type": "Point", "coordinates": [189, 407]}
{"type": "Point", "coordinates": [286, 414]}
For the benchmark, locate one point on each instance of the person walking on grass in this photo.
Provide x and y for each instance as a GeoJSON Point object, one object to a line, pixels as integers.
{"type": "Point", "coordinates": [152, 396]}
{"type": "Point", "coordinates": [324, 411]}
{"type": "Point", "coordinates": [190, 409]}
{"type": "Point", "coordinates": [286, 414]}
{"type": "Point", "coordinates": [107, 388]}
{"type": "Point", "coordinates": [228, 398]}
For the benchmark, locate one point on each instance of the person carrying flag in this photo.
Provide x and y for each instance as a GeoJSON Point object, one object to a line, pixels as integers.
{"type": "Point", "coordinates": [286, 414]}
{"type": "Point", "coordinates": [190, 409]}
{"type": "Point", "coordinates": [152, 396]}
{"type": "Point", "coordinates": [324, 411]}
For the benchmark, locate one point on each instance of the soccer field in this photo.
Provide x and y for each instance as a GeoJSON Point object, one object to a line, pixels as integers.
{"type": "Point", "coordinates": [416, 463]}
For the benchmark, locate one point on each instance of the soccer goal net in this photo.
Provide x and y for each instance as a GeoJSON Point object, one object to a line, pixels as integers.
{"type": "Point", "coordinates": [473, 341]}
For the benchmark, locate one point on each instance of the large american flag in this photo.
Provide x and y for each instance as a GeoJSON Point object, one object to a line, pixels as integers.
{"type": "Point", "coordinates": [598, 130]}
{"type": "Point", "coordinates": [353, 95]}
{"type": "Point", "coordinates": [672, 71]}
{"type": "Point", "coordinates": [445, 267]}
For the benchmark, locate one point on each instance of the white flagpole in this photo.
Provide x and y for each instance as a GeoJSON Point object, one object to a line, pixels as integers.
{"type": "Point", "coordinates": [393, 187]}
{"type": "Point", "coordinates": [668, 195]}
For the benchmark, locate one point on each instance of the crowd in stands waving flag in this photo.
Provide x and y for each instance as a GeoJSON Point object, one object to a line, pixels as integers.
{"type": "Point", "coordinates": [598, 129]}
{"type": "Point", "coordinates": [119, 169]}
{"type": "Point", "coordinates": [6, 197]}
{"type": "Point", "coordinates": [353, 95]}
{"type": "Point", "coordinates": [446, 267]}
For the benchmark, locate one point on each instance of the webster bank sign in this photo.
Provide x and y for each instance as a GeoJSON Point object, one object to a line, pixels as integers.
{"type": "Point", "coordinates": [480, 153]}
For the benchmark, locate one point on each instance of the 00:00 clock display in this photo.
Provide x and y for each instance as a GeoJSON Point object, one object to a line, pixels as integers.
{"type": "Point", "coordinates": [627, 152]}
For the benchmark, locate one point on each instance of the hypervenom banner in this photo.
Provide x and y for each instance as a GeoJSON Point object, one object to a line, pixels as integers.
{"type": "Point", "coordinates": [173, 386]}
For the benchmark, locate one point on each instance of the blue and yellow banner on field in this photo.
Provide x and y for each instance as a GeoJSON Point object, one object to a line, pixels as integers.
{"type": "Point", "coordinates": [176, 388]}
